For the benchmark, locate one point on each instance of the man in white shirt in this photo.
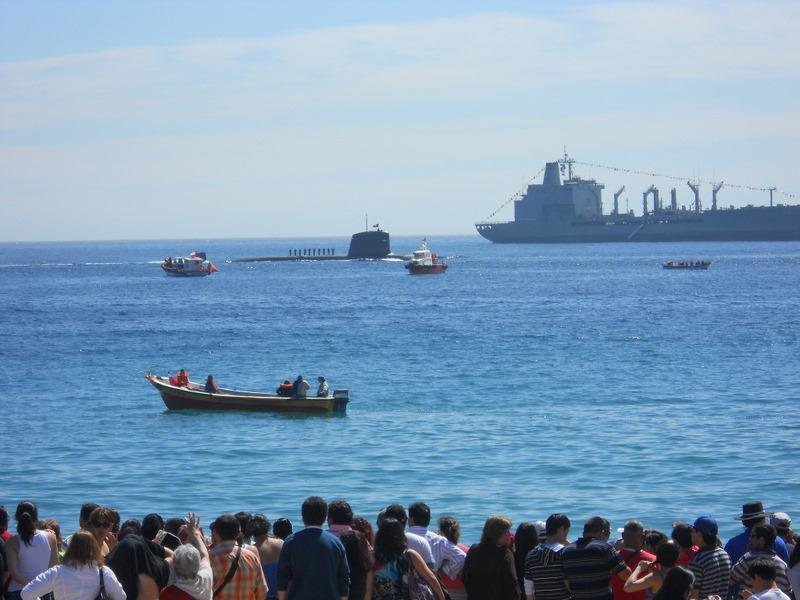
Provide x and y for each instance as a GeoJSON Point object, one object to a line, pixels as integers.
{"type": "Point", "coordinates": [762, 571]}
{"type": "Point", "coordinates": [447, 558]}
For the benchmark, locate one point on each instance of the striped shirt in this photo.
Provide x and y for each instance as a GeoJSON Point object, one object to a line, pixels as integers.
{"type": "Point", "coordinates": [248, 582]}
{"type": "Point", "coordinates": [740, 578]}
{"type": "Point", "coordinates": [543, 570]}
{"type": "Point", "coordinates": [447, 557]}
{"type": "Point", "coordinates": [712, 570]}
{"type": "Point", "coordinates": [588, 567]}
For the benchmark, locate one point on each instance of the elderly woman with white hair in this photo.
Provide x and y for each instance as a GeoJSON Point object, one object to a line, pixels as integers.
{"type": "Point", "coordinates": [191, 575]}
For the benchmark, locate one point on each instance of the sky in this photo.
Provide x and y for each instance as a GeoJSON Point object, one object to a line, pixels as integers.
{"type": "Point", "coordinates": [237, 119]}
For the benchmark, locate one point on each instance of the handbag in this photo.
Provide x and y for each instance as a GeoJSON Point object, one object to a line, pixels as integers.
{"type": "Point", "coordinates": [102, 595]}
{"type": "Point", "coordinates": [418, 588]}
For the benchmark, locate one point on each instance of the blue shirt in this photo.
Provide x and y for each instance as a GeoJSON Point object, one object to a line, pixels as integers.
{"type": "Point", "coordinates": [313, 566]}
{"type": "Point", "coordinates": [737, 546]}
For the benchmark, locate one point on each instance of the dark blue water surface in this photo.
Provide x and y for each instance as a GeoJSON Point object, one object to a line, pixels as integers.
{"type": "Point", "coordinates": [526, 380]}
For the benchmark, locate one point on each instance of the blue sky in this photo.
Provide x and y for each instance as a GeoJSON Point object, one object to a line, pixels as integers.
{"type": "Point", "coordinates": [122, 120]}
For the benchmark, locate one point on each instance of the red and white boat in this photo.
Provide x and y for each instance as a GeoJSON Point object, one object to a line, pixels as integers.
{"type": "Point", "coordinates": [194, 265]}
{"type": "Point", "coordinates": [425, 262]}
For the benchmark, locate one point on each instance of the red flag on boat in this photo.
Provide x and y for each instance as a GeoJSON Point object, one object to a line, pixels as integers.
{"type": "Point", "coordinates": [212, 268]}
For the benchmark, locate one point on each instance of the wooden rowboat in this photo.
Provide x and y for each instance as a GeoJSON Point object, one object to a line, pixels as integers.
{"type": "Point", "coordinates": [196, 397]}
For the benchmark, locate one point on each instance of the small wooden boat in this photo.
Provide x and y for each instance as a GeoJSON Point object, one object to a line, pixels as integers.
{"type": "Point", "coordinates": [425, 262]}
{"type": "Point", "coordinates": [194, 265]}
{"type": "Point", "coordinates": [195, 396]}
{"type": "Point", "coordinates": [701, 265]}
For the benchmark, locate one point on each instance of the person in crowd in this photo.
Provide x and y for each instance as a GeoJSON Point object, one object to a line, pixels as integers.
{"type": "Point", "coordinates": [649, 576]}
{"type": "Point", "coordinates": [130, 526]}
{"type": "Point", "coordinates": [448, 558]}
{"type": "Point", "coordinates": [489, 572]}
{"type": "Point", "coordinates": [362, 525]}
{"type": "Point", "coordinates": [211, 385]}
{"type": "Point", "coordinates": [794, 570]}
{"type": "Point", "coordinates": [543, 573]}
{"type": "Point", "coordinates": [5, 534]}
{"type": "Point", "coordinates": [269, 550]}
{"type": "Point", "coordinates": [653, 538]}
{"type": "Point", "coordinates": [79, 577]}
{"type": "Point", "coordinates": [282, 528]}
{"type": "Point", "coordinates": [246, 581]}
{"type": "Point", "coordinates": [286, 389]}
{"type": "Point", "coordinates": [526, 538]}
{"type": "Point", "coordinates": [711, 565]}
{"type": "Point", "coordinates": [762, 540]}
{"type": "Point", "coordinates": [682, 535]}
{"type": "Point", "coordinates": [783, 524]}
{"type": "Point", "coordinates": [677, 585]}
{"type": "Point", "coordinates": [752, 514]}
{"type": "Point", "coordinates": [590, 563]}
{"type": "Point", "coordinates": [182, 378]}
{"type": "Point", "coordinates": [151, 525]}
{"type": "Point", "coordinates": [450, 529]}
{"type": "Point", "coordinates": [415, 542]}
{"type": "Point", "coordinates": [762, 573]}
{"type": "Point", "coordinates": [360, 560]}
{"type": "Point", "coordinates": [140, 565]}
{"type": "Point", "coordinates": [313, 563]}
{"type": "Point", "coordinates": [244, 519]}
{"type": "Point", "coordinates": [300, 388]}
{"type": "Point", "coordinates": [632, 554]}
{"type": "Point", "coordinates": [191, 576]}
{"type": "Point", "coordinates": [116, 519]}
{"type": "Point", "coordinates": [29, 553]}
{"type": "Point", "coordinates": [394, 561]}
{"type": "Point", "coordinates": [322, 390]}
{"type": "Point", "coordinates": [100, 524]}
{"type": "Point", "coordinates": [55, 527]}
{"type": "Point", "coordinates": [340, 517]}
{"type": "Point", "coordinates": [177, 527]}
{"type": "Point", "coordinates": [85, 514]}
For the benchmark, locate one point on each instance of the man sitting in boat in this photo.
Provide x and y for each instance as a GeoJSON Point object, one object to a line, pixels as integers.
{"type": "Point", "coordinates": [182, 379]}
{"type": "Point", "coordinates": [300, 387]}
{"type": "Point", "coordinates": [285, 389]}
{"type": "Point", "coordinates": [211, 385]}
{"type": "Point", "coordinates": [322, 390]}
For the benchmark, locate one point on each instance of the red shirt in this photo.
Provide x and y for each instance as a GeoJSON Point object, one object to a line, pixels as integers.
{"type": "Point", "coordinates": [686, 556]}
{"type": "Point", "coordinates": [182, 379]}
{"type": "Point", "coordinates": [454, 584]}
{"type": "Point", "coordinates": [631, 558]}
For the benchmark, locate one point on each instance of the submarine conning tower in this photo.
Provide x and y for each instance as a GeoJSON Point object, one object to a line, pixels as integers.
{"type": "Point", "coordinates": [369, 244]}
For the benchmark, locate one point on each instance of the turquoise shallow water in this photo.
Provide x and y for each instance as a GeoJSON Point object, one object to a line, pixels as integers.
{"type": "Point", "coordinates": [524, 381]}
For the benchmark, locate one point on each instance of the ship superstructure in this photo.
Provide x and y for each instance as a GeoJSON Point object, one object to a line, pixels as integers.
{"type": "Point", "coordinates": [571, 211]}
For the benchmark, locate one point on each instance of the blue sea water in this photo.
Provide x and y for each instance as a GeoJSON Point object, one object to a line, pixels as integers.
{"type": "Point", "coordinates": [526, 380]}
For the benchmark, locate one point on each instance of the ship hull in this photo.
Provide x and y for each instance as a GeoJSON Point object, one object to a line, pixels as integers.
{"type": "Point", "coordinates": [779, 223]}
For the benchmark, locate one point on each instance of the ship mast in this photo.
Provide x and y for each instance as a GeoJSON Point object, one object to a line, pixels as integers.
{"type": "Point", "coordinates": [568, 162]}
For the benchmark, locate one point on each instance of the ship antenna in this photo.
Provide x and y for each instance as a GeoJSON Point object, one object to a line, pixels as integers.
{"type": "Point", "coordinates": [366, 221]}
{"type": "Point", "coordinates": [569, 162]}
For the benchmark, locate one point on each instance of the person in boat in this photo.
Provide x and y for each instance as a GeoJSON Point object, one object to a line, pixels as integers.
{"type": "Point", "coordinates": [182, 379]}
{"type": "Point", "coordinates": [301, 387]}
{"type": "Point", "coordinates": [322, 390]}
{"type": "Point", "coordinates": [285, 389]}
{"type": "Point", "coordinates": [211, 385]}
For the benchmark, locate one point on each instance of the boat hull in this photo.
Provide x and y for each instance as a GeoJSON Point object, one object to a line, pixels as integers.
{"type": "Point", "coordinates": [196, 398]}
{"type": "Point", "coordinates": [426, 269]}
{"type": "Point", "coordinates": [182, 273]}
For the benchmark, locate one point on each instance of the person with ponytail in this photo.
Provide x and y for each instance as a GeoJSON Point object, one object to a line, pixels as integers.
{"type": "Point", "coordinates": [80, 577]}
{"type": "Point", "coordinates": [30, 552]}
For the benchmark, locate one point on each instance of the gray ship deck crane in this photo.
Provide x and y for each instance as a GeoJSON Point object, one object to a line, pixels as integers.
{"type": "Point", "coordinates": [695, 187]}
{"type": "Point", "coordinates": [717, 187]}
{"type": "Point", "coordinates": [616, 199]}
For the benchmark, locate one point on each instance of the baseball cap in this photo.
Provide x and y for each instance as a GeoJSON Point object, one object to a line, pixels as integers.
{"type": "Point", "coordinates": [780, 520]}
{"type": "Point", "coordinates": [706, 524]}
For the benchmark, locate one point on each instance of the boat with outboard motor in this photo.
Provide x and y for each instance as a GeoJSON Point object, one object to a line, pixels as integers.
{"type": "Point", "coordinates": [425, 262]}
{"type": "Point", "coordinates": [195, 396]}
{"type": "Point", "coordinates": [697, 265]}
{"type": "Point", "coordinates": [194, 265]}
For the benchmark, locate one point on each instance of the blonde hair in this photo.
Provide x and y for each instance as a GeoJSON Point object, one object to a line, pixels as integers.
{"type": "Point", "coordinates": [83, 550]}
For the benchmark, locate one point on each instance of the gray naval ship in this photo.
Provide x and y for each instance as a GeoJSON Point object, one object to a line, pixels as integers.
{"type": "Point", "coordinates": [571, 211]}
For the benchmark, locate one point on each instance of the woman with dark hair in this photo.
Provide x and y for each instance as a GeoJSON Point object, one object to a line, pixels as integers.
{"type": "Point", "coordinates": [682, 535]}
{"type": "Point", "coordinates": [30, 552]}
{"type": "Point", "coordinates": [140, 566]}
{"type": "Point", "coordinates": [525, 539]}
{"type": "Point", "coordinates": [489, 572]}
{"type": "Point", "coordinates": [359, 558]}
{"type": "Point", "coordinates": [676, 586]}
{"type": "Point", "coordinates": [80, 577]}
{"type": "Point", "coordinates": [394, 562]}
{"type": "Point", "coordinates": [650, 575]}
{"type": "Point", "coordinates": [362, 525]}
{"type": "Point", "coordinates": [269, 550]}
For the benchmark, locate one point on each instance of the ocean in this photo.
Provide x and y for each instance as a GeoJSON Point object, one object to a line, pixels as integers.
{"type": "Point", "coordinates": [527, 380]}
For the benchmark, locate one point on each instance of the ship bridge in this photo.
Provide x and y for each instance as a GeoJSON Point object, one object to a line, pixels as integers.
{"type": "Point", "coordinates": [553, 200]}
